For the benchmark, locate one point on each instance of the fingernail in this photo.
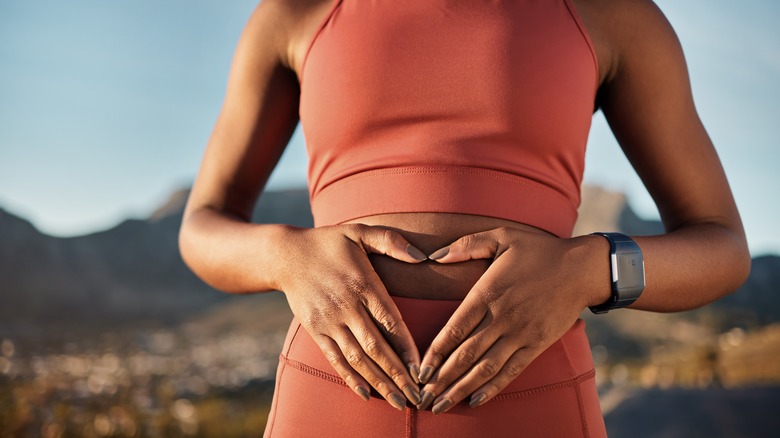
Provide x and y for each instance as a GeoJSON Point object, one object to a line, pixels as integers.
{"type": "Point", "coordinates": [425, 374]}
{"type": "Point", "coordinates": [477, 399]}
{"type": "Point", "coordinates": [442, 406]}
{"type": "Point", "coordinates": [362, 392]}
{"type": "Point", "coordinates": [397, 401]}
{"type": "Point", "coordinates": [440, 253]}
{"type": "Point", "coordinates": [415, 253]}
{"type": "Point", "coordinates": [413, 394]}
{"type": "Point", "coordinates": [427, 398]}
{"type": "Point", "coordinates": [414, 370]}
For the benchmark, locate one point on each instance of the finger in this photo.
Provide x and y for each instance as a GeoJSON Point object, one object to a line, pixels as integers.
{"type": "Point", "coordinates": [511, 369]}
{"type": "Point", "coordinates": [381, 240]}
{"type": "Point", "coordinates": [482, 371]}
{"type": "Point", "coordinates": [336, 358]}
{"type": "Point", "coordinates": [388, 320]}
{"type": "Point", "coordinates": [376, 347]}
{"type": "Point", "coordinates": [460, 325]}
{"type": "Point", "coordinates": [483, 245]}
{"type": "Point", "coordinates": [357, 358]}
{"type": "Point", "coordinates": [462, 361]}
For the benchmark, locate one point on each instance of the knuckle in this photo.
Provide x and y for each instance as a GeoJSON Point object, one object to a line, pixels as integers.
{"type": "Point", "coordinates": [513, 369]}
{"type": "Point", "coordinates": [389, 236]}
{"type": "Point", "coordinates": [310, 320]}
{"type": "Point", "coordinates": [389, 325]}
{"type": "Point", "coordinates": [488, 368]}
{"type": "Point", "coordinates": [356, 284]}
{"type": "Point", "coordinates": [355, 358]}
{"type": "Point", "coordinates": [456, 332]}
{"type": "Point", "coordinates": [467, 241]}
{"type": "Point", "coordinates": [515, 312]}
{"type": "Point", "coordinates": [372, 347]}
{"type": "Point", "coordinates": [436, 357]}
{"type": "Point", "coordinates": [442, 381]}
{"type": "Point", "coordinates": [465, 358]}
{"type": "Point", "coordinates": [357, 229]}
{"type": "Point", "coordinates": [494, 292]}
{"type": "Point", "coordinates": [491, 389]}
{"type": "Point", "coordinates": [397, 375]}
{"type": "Point", "coordinates": [333, 299]}
{"type": "Point", "coordinates": [539, 336]}
{"type": "Point", "coordinates": [377, 383]}
{"type": "Point", "coordinates": [502, 233]}
{"type": "Point", "coordinates": [333, 357]}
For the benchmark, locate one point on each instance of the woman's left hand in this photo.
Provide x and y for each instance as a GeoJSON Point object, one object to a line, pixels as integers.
{"type": "Point", "coordinates": [531, 294]}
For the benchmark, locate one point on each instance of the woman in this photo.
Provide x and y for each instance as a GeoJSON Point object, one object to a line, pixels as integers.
{"type": "Point", "coordinates": [447, 141]}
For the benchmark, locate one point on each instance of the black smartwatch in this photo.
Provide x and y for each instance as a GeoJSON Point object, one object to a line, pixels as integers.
{"type": "Point", "coordinates": [628, 272]}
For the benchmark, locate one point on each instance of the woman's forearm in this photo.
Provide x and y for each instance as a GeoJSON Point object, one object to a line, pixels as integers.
{"type": "Point", "coordinates": [686, 268]}
{"type": "Point", "coordinates": [231, 254]}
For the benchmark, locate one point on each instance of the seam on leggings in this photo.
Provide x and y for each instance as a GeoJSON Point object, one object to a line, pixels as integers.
{"type": "Point", "coordinates": [566, 352]}
{"type": "Point", "coordinates": [275, 406]}
{"type": "Point", "coordinates": [292, 340]}
{"type": "Point", "coordinates": [313, 371]}
{"type": "Point", "coordinates": [582, 411]}
{"type": "Point", "coordinates": [411, 423]}
{"type": "Point", "coordinates": [528, 392]}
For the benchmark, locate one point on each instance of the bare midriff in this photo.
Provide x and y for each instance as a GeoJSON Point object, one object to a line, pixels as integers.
{"type": "Point", "coordinates": [429, 232]}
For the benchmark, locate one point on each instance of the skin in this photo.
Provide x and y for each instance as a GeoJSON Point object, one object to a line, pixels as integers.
{"type": "Point", "coordinates": [522, 288]}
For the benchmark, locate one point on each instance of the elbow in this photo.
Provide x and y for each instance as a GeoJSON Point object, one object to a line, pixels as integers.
{"type": "Point", "coordinates": [185, 246]}
{"type": "Point", "coordinates": [739, 265]}
{"type": "Point", "coordinates": [190, 245]}
{"type": "Point", "coordinates": [743, 269]}
{"type": "Point", "coordinates": [192, 258]}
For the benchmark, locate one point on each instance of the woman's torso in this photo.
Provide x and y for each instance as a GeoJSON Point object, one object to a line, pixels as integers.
{"type": "Point", "coordinates": [431, 231]}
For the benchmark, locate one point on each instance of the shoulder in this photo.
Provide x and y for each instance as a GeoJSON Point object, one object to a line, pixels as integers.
{"type": "Point", "coordinates": [288, 24]}
{"type": "Point", "coordinates": [627, 34]}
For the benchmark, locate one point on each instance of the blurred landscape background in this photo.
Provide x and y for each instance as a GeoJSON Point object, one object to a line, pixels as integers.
{"type": "Point", "coordinates": [105, 109]}
{"type": "Point", "coordinates": [109, 334]}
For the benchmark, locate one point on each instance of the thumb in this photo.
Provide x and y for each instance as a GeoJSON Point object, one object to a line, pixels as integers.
{"type": "Point", "coordinates": [483, 245]}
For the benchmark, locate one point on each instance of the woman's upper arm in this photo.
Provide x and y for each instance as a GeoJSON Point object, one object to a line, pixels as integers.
{"type": "Point", "coordinates": [257, 119]}
{"type": "Point", "coordinates": [648, 103]}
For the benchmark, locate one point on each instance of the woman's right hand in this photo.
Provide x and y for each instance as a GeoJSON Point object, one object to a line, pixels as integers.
{"type": "Point", "coordinates": [339, 299]}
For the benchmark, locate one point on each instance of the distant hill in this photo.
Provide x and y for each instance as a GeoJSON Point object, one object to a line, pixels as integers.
{"type": "Point", "coordinates": [758, 300]}
{"type": "Point", "coordinates": [133, 271]}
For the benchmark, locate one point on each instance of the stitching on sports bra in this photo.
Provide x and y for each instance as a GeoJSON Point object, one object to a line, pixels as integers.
{"type": "Point", "coordinates": [588, 41]}
{"type": "Point", "coordinates": [323, 23]}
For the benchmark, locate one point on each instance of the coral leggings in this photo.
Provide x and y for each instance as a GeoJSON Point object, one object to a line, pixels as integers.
{"type": "Point", "coordinates": [555, 396]}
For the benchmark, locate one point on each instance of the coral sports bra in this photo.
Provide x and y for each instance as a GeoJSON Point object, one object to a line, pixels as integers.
{"type": "Point", "coordinates": [462, 106]}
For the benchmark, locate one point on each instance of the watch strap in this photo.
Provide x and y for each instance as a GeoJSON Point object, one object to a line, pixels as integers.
{"type": "Point", "coordinates": [625, 256]}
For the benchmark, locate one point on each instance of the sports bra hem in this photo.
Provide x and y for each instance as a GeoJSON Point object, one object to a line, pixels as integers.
{"type": "Point", "coordinates": [446, 189]}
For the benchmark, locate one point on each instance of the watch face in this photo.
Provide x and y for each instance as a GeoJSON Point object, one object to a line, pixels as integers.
{"type": "Point", "coordinates": [630, 270]}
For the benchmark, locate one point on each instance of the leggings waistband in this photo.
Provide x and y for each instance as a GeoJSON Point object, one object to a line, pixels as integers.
{"type": "Point", "coordinates": [566, 362]}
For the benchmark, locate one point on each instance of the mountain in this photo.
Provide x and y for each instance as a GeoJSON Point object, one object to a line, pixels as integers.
{"type": "Point", "coordinates": [130, 272]}
{"type": "Point", "coordinates": [757, 300]}
{"type": "Point", "coordinates": [133, 271]}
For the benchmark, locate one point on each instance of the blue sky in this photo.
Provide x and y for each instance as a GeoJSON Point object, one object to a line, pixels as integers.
{"type": "Point", "coordinates": [106, 106]}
